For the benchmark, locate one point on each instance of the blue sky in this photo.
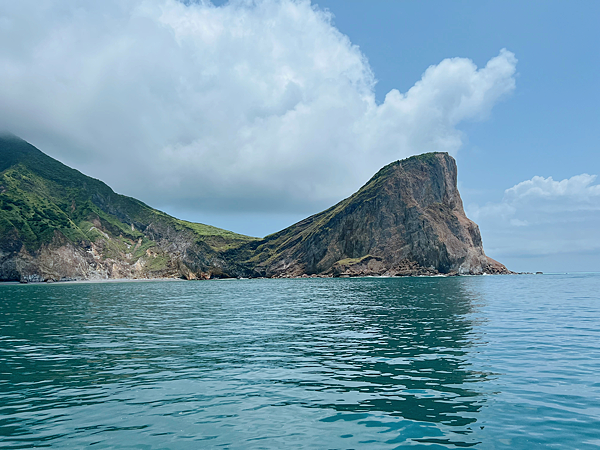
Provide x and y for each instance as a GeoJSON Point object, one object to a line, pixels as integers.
{"type": "Point", "coordinates": [253, 115]}
{"type": "Point", "coordinates": [549, 126]}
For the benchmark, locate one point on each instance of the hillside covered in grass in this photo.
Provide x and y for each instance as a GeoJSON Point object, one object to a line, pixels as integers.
{"type": "Point", "coordinates": [48, 208]}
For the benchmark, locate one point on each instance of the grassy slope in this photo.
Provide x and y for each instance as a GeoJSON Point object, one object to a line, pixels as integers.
{"type": "Point", "coordinates": [39, 195]}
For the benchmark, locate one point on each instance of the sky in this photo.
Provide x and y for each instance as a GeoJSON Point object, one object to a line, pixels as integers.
{"type": "Point", "coordinates": [251, 115]}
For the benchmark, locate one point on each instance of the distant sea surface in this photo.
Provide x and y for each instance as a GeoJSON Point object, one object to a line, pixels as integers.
{"type": "Point", "coordinates": [491, 362]}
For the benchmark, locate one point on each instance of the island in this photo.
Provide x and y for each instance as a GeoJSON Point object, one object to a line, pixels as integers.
{"type": "Point", "coordinates": [57, 224]}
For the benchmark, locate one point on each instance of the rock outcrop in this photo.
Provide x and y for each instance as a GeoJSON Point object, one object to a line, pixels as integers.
{"type": "Point", "coordinates": [407, 220]}
{"type": "Point", "coordinates": [58, 224]}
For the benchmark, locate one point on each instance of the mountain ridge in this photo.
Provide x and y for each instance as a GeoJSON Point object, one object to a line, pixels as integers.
{"type": "Point", "coordinates": [59, 224]}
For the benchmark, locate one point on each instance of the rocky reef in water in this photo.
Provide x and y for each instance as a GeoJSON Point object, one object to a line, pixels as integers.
{"type": "Point", "coordinates": [59, 224]}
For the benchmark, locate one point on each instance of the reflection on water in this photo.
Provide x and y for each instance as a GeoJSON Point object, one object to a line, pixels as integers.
{"type": "Point", "coordinates": [402, 350]}
{"type": "Point", "coordinates": [353, 363]}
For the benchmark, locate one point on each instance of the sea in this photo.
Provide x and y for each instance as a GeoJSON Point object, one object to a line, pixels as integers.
{"type": "Point", "coordinates": [490, 362]}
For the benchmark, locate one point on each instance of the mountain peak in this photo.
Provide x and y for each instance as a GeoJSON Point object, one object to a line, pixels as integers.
{"type": "Point", "coordinates": [407, 219]}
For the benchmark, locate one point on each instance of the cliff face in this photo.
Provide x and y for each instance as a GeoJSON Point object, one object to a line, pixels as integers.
{"type": "Point", "coordinates": [407, 220]}
{"type": "Point", "coordinates": [58, 224]}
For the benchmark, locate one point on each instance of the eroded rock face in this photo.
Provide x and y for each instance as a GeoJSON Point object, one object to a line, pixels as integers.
{"type": "Point", "coordinates": [407, 220]}
{"type": "Point", "coordinates": [58, 224]}
{"type": "Point", "coordinates": [173, 254]}
{"type": "Point", "coordinates": [61, 260]}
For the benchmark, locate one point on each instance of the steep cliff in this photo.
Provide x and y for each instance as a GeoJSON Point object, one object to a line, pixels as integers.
{"type": "Point", "coordinates": [407, 220]}
{"type": "Point", "coordinates": [58, 224]}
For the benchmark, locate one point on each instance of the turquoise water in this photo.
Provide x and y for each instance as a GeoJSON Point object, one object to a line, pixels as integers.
{"type": "Point", "coordinates": [492, 362]}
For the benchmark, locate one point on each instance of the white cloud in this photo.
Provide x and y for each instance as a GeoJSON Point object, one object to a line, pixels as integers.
{"type": "Point", "coordinates": [541, 200]}
{"type": "Point", "coordinates": [542, 216]}
{"type": "Point", "coordinates": [259, 105]}
{"type": "Point", "coordinates": [572, 194]}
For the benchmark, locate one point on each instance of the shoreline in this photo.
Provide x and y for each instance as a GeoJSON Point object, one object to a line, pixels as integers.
{"type": "Point", "coordinates": [305, 277]}
{"type": "Point", "coordinates": [99, 281]}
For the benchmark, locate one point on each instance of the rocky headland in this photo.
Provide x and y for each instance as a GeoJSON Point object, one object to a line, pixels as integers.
{"type": "Point", "coordinates": [407, 220]}
{"type": "Point", "coordinates": [59, 224]}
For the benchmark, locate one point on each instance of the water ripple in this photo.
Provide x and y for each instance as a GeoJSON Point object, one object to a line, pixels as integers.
{"type": "Point", "coordinates": [487, 362]}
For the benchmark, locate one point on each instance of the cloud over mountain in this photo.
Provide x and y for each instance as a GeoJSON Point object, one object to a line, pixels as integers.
{"type": "Point", "coordinates": [258, 106]}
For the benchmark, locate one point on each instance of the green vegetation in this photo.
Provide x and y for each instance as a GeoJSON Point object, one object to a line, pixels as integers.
{"type": "Point", "coordinates": [208, 230]}
{"type": "Point", "coordinates": [351, 261]}
{"type": "Point", "coordinates": [42, 200]}
{"type": "Point", "coordinates": [158, 263]}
